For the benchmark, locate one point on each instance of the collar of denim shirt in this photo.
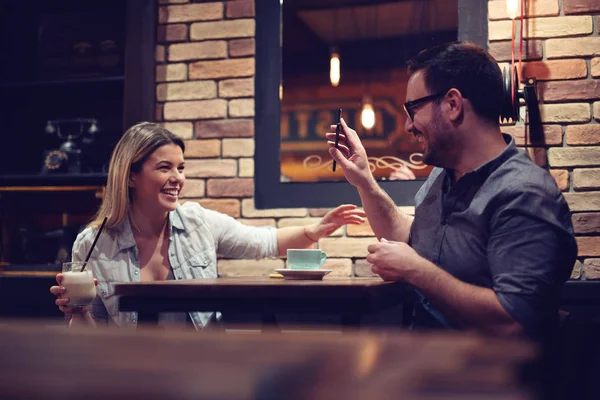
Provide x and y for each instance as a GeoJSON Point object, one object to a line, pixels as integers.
{"type": "Point", "coordinates": [125, 237]}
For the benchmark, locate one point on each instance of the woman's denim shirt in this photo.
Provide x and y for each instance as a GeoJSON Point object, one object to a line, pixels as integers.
{"type": "Point", "coordinates": [196, 236]}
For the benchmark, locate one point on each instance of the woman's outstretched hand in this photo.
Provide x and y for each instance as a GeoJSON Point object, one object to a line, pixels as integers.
{"type": "Point", "coordinates": [346, 214]}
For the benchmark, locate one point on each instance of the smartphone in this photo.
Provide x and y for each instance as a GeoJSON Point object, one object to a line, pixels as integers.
{"type": "Point", "coordinates": [337, 133]}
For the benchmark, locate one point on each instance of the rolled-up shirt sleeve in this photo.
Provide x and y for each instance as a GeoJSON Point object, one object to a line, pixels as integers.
{"type": "Point", "coordinates": [237, 240]}
{"type": "Point", "coordinates": [531, 254]}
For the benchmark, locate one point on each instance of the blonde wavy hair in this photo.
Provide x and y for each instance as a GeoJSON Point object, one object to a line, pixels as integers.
{"type": "Point", "coordinates": [133, 149]}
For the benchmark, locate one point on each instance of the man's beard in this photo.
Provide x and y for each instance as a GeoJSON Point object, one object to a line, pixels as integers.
{"type": "Point", "coordinates": [438, 145]}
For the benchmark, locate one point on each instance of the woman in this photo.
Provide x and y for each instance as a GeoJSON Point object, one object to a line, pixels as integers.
{"type": "Point", "coordinates": [149, 236]}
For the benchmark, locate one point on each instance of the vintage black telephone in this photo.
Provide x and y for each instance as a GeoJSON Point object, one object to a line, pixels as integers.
{"type": "Point", "coordinates": [73, 133]}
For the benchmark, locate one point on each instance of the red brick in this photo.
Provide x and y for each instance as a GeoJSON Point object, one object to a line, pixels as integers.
{"type": "Point", "coordinates": [211, 168]}
{"type": "Point", "coordinates": [576, 272]}
{"type": "Point", "coordinates": [235, 28]}
{"type": "Point", "coordinates": [581, 6]}
{"type": "Point", "coordinates": [241, 47]}
{"type": "Point", "coordinates": [588, 246]}
{"type": "Point", "coordinates": [552, 135]}
{"type": "Point", "coordinates": [160, 54]}
{"type": "Point", "coordinates": [586, 201]}
{"type": "Point", "coordinates": [172, 33]}
{"type": "Point", "coordinates": [591, 268]}
{"type": "Point", "coordinates": [595, 67]}
{"type": "Point", "coordinates": [501, 51]}
{"type": "Point", "coordinates": [209, 49]}
{"type": "Point", "coordinates": [363, 229]}
{"type": "Point", "coordinates": [240, 8]}
{"type": "Point", "coordinates": [190, 90]}
{"type": "Point", "coordinates": [236, 148]}
{"type": "Point", "coordinates": [240, 187]}
{"type": "Point", "coordinates": [561, 177]}
{"type": "Point", "coordinates": [230, 207]}
{"type": "Point", "coordinates": [183, 129]}
{"type": "Point", "coordinates": [190, 13]}
{"type": "Point", "coordinates": [239, 67]}
{"type": "Point", "coordinates": [537, 155]}
{"type": "Point", "coordinates": [550, 27]}
{"type": "Point", "coordinates": [347, 247]}
{"type": "Point", "coordinates": [258, 222]}
{"type": "Point", "coordinates": [202, 148]}
{"type": "Point", "coordinates": [583, 134]}
{"type": "Point", "coordinates": [362, 268]}
{"type": "Point", "coordinates": [197, 109]}
{"type": "Point", "coordinates": [586, 179]}
{"type": "Point", "coordinates": [250, 211]}
{"type": "Point", "coordinates": [566, 112]}
{"type": "Point", "coordinates": [574, 156]}
{"type": "Point", "coordinates": [193, 188]}
{"type": "Point", "coordinates": [230, 88]}
{"type": "Point", "coordinates": [572, 47]}
{"type": "Point", "coordinates": [241, 108]}
{"type": "Point", "coordinates": [319, 212]}
{"type": "Point", "coordinates": [171, 72]}
{"type": "Point", "coordinates": [555, 69]}
{"type": "Point", "coordinates": [229, 128]}
{"type": "Point", "coordinates": [584, 89]}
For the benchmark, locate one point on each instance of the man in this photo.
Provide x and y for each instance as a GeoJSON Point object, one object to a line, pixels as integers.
{"type": "Point", "coordinates": [491, 242]}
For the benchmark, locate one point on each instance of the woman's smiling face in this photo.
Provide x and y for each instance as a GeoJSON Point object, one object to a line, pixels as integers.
{"type": "Point", "coordinates": [157, 186]}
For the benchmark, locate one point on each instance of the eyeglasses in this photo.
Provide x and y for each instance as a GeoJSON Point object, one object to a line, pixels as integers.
{"type": "Point", "coordinates": [410, 106]}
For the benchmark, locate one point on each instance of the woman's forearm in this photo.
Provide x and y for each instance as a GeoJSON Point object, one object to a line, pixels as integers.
{"type": "Point", "coordinates": [295, 237]}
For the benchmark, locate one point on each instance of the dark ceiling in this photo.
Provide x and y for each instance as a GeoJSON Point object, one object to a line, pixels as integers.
{"type": "Point", "coordinates": [369, 34]}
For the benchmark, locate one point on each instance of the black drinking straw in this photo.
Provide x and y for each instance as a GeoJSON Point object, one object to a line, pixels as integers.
{"type": "Point", "coordinates": [337, 133]}
{"type": "Point", "coordinates": [94, 244]}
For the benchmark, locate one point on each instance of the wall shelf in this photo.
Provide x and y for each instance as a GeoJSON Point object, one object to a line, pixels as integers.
{"type": "Point", "coordinates": [54, 82]}
{"type": "Point", "coordinates": [19, 182]}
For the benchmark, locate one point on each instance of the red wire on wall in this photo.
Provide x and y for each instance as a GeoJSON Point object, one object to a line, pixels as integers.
{"type": "Point", "coordinates": [512, 63]}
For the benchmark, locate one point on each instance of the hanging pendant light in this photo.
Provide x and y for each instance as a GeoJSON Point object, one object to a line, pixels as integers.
{"type": "Point", "coordinates": [512, 8]}
{"type": "Point", "coordinates": [334, 68]}
{"type": "Point", "coordinates": [367, 115]}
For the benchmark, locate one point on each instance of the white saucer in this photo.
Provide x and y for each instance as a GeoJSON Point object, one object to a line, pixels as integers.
{"type": "Point", "coordinates": [303, 274]}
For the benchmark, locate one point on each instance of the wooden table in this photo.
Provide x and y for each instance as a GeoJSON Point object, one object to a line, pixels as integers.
{"type": "Point", "coordinates": [350, 298]}
{"type": "Point", "coordinates": [58, 363]}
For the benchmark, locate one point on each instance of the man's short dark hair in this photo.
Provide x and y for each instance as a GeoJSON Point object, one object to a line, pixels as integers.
{"type": "Point", "coordinates": [466, 67]}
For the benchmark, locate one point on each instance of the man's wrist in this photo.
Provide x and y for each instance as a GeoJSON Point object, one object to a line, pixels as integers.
{"type": "Point", "coordinates": [369, 187]}
{"type": "Point", "coordinates": [419, 275]}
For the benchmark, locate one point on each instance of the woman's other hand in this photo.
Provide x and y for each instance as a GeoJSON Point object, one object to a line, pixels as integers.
{"type": "Point", "coordinates": [346, 214]}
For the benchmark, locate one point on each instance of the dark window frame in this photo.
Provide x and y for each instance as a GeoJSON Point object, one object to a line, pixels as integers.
{"type": "Point", "coordinates": [269, 191]}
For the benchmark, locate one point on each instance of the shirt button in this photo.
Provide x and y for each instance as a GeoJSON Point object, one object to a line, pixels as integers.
{"type": "Point", "coordinates": [136, 272]}
{"type": "Point", "coordinates": [104, 292]}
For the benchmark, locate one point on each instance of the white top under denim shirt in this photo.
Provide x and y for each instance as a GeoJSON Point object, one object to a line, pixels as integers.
{"type": "Point", "coordinates": [196, 236]}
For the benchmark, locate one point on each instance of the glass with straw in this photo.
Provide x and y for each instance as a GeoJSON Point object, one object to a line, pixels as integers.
{"type": "Point", "coordinates": [78, 282]}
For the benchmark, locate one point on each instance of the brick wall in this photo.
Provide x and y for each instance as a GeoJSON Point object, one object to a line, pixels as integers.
{"type": "Point", "coordinates": [562, 51]}
{"type": "Point", "coordinates": [205, 94]}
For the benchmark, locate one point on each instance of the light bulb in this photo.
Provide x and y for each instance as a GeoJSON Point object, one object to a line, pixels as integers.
{"type": "Point", "coordinates": [512, 8]}
{"type": "Point", "coordinates": [334, 69]}
{"type": "Point", "coordinates": [367, 116]}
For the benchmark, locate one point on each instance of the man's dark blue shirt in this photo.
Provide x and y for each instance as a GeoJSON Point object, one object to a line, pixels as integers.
{"type": "Point", "coordinates": [504, 226]}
